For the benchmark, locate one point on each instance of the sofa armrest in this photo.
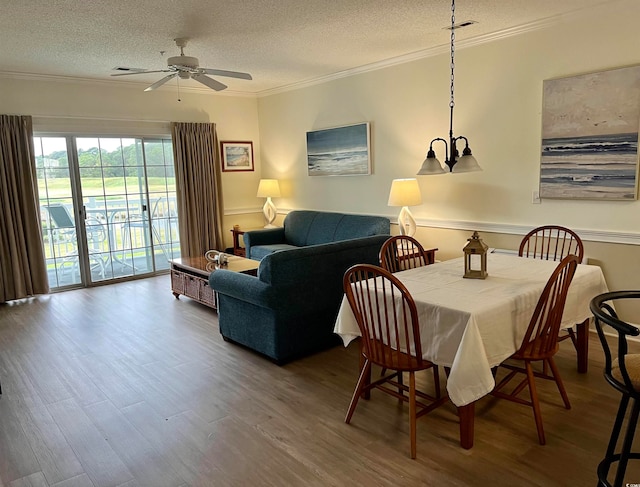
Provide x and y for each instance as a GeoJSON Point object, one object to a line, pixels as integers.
{"type": "Point", "coordinates": [267, 236]}
{"type": "Point", "coordinates": [244, 287]}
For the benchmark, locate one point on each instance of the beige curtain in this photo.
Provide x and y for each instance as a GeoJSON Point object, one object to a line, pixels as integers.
{"type": "Point", "coordinates": [198, 187]}
{"type": "Point", "coordinates": [23, 271]}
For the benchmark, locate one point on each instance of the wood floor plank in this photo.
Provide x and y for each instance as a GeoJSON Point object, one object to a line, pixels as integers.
{"type": "Point", "coordinates": [179, 451]}
{"type": "Point", "coordinates": [99, 461]}
{"type": "Point", "coordinates": [79, 481]}
{"type": "Point", "coordinates": [76, 381]}
{"type": "Point", "coordinates": [55, 457]}
{"type": "Point", "coordinates": [236, 448]}
{"type": "Point", "coordinates": [100, 370]}
{"type": "Point", "coordinates": [44, 377]}
{"type": "Point", "coordinates": [17, 459]}
{"type": "Point", "coordinates": [33, 480]}
{"type": "Point", "coordinates": [152, 390]}
{"type": "Point", "coordinates": [143, 461]}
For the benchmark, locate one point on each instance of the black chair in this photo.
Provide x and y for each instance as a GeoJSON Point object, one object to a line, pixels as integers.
{"type": "Point", "coordinates": [63, 233]}
{"type": "Point", "coordinates": [623, 373]}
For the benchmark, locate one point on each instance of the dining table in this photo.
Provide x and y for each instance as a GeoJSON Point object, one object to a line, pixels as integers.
{"type": "Point", "coordinates": [469, 326]}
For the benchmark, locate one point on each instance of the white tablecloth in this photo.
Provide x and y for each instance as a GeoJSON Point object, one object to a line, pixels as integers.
{"type": "Point", "coordinates": [472, 325]}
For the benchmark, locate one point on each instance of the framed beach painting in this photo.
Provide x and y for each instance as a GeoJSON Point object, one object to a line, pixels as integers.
{"type": "Point", "coordinates": [236, 156]}
{"type": "Point", "coordinates": [590, 136]}
{"type": "Point", "coordinates": [339, 151]}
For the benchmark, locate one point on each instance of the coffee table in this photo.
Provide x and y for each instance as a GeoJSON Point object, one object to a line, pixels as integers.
{"type": "Point", "coordinates": [190, 276]}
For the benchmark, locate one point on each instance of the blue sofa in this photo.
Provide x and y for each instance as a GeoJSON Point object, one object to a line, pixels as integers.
{"type": "Point", "coordinates": [289, 309]}
{"type": "Point", "coordinates": [303, 227]}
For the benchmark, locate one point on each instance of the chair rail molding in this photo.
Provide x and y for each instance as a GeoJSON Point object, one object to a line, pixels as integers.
{"type": "Point", "coordinates": [605, 236]}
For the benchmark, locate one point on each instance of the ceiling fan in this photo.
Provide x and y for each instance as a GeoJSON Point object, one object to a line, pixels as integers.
{"type": "Point", "coordinates": [186, 67]}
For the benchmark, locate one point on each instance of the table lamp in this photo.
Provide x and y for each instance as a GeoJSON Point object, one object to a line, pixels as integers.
{"type": "Point", "coordinates": [269, 188]}
{"type": "Point", "coordinates": [405, 193]}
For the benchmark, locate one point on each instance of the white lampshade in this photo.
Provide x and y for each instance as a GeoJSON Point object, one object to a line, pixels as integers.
{"type": "Point", "coordinates": [405, 192]}
{"type": "Point", "coordinates": [467, 163]}
{"type": "Point", "coordinates": [268, 188]}
{"type": "Point", "coordinates": [431, 165]}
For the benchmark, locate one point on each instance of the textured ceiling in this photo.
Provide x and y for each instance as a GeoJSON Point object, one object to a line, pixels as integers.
{"type": "Point", "coordinates": [280, 42]}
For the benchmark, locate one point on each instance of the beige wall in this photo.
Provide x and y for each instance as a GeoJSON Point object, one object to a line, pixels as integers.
{"type": "Point", "coordinates": [498, 106]}
{"type": "Point", "coordinates": [84, 103]}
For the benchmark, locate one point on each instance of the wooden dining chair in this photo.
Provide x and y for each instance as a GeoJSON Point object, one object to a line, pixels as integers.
{"type": "Point", "coordinates": [540, 344]}
{"type": "Point", "coordinates": [553, 242]}
{"type": "Point", "coordinates": [403, 252]}
{"type": "Point", "coordinates": [388, 322]}
{"type": "Point", "coordinates": [622, 371]}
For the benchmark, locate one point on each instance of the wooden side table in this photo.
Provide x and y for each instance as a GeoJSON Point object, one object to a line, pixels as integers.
{"type": "Point", "coordinates": [237, 248]}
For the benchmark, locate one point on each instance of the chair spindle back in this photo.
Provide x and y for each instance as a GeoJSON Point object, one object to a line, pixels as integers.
{"type": "Point", "coordinates": [551, 242]}
{"type": "Point", "coordinates": [402, 252]}
{"type": "Point", "coordinates": [386, 315]}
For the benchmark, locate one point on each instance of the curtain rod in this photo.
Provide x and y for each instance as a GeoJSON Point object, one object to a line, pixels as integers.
{"type": "Point", "coordinates": [101, 119]}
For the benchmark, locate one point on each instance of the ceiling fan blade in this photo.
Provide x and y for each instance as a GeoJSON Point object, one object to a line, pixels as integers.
{"type": "Point", "coordinates": [142, 72]}
{"type": "Point", "coordinates": [229, 74]}
{"type": "Point", "coordinates": [161, 82]}
{"type": "Point", "coordinates": [210, 82]}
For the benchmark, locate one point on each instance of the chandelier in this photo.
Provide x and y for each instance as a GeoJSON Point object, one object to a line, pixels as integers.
{"type": "Point", "coordinates": [455, 163]}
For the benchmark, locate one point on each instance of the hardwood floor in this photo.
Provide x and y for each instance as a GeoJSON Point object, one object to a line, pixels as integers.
{"type": "Point", "coordinates": [124, 385]}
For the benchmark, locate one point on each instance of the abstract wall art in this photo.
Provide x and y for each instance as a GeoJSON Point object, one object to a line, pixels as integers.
{"type": "Point", "coordinates": [590, 135]}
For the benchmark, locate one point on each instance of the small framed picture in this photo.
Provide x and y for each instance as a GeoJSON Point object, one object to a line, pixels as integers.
{"type": "Point", "coordinates": [236, 156]}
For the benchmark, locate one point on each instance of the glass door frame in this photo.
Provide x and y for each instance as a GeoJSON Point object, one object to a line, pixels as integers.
{"type": "Point", "coordinates": [81, 216]}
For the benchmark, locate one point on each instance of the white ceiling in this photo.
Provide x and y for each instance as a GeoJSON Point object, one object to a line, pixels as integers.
{"type": "Point", "coordinates": [280, 42]}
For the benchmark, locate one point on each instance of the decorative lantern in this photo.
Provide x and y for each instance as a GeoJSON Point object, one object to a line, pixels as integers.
{"type": "Point", "coordinates": [475, 258]}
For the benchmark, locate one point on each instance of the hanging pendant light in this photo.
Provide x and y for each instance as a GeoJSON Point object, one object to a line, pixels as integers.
{"type": "Point", "coordinates": [453, 160]}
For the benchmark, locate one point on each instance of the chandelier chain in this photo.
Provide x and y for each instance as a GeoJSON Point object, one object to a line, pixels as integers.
{"type": "Point", "coordinates": [453, 37]}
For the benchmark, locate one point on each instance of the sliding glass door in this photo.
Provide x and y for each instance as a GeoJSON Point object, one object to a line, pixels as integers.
{"type": "Point", "coordinates": [108, 207]}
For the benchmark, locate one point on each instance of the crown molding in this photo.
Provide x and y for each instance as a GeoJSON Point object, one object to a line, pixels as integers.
{"type": "Point", "coordinates": [417, 55]}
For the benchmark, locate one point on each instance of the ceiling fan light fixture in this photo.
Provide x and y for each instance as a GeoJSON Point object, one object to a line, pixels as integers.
{"type": "Point", "coordinates": [185, 67]}
{"type": "Point", "coordinates": [183, 61]}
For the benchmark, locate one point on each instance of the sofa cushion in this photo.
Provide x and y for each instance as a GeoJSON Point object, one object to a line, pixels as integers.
{"type": "Point", "coordinates": [306, 227]}
{"type": "Point", "coordinates": [258, 252]}
{"type": "Point", "coordinates": [297, 225]}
